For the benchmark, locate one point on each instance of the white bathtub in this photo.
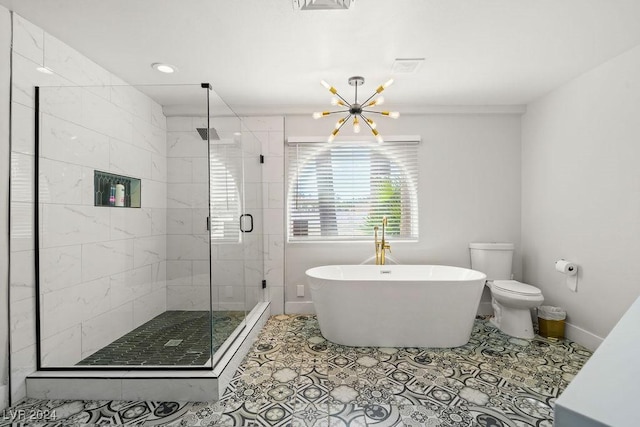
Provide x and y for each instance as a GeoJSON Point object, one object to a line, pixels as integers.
{"type": "Point", "coordinates": [396, 305]}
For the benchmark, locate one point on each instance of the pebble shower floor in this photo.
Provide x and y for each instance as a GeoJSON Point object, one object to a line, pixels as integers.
{"type": "Point", "coordinates": [294, 377]}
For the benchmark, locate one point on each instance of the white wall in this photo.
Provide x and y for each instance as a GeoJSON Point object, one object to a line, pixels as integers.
{"type": "Point", "coordinates": [581, 194]}
{"type": "Point", "coordinates": [102, 269]}
{"type": "Point", "coordinates": [5, 72]}
{"type": "Point", "coordinates": [469, 191]}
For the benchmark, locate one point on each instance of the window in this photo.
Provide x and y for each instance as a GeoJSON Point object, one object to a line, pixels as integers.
{"type": "Point", "coordinates": [225, 165]}
{"type": "Point", "coordinates": [341, 190]}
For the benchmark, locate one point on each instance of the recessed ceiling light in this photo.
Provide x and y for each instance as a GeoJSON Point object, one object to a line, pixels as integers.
{"type": "Point", "coordinates": [406, 65]}
{"type": "Point", "coordinates": [164, 68]}
{"type": "Point", "coordinates": [45, 70]}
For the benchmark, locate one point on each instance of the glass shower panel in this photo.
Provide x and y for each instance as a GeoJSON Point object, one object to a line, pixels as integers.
{"type": "Point", "coordinates": [123, 260]}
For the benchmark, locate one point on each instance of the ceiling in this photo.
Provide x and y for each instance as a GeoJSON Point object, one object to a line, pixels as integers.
{"type": "Point", "coordinates": [262, 56]}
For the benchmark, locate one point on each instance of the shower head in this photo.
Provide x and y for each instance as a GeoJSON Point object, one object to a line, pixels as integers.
{"type": "Point", "coordinates": [212, 132]}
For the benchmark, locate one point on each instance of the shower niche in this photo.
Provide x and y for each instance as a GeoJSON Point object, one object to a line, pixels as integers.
{"type": "Point", "coordinates": [115, 190]}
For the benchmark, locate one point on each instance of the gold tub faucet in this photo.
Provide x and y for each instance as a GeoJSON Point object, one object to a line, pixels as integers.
{"type": "Point", "coordinates": [382, 245]}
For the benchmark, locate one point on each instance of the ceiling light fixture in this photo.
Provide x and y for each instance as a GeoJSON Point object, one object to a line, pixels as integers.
{"type": "Point", "coordinates": [356, 109]}
{"type": "Point", "coordinates": [164, 68]}
{"type": "Point", "coordinates": [322, 4]}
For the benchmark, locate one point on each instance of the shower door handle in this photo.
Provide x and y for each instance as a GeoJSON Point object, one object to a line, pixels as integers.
{"type": "Point", "coordinates": [242, 223]}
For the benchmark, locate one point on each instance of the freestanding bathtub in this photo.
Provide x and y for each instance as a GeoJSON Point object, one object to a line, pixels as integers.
{"type": "Point", "coordinates": [396, 305]}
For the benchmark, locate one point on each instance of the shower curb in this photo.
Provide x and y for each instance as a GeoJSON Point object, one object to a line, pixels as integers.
{"type": "Point", "coordinates": [152, 385]}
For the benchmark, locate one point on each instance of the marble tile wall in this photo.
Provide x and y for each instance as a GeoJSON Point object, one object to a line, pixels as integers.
{"type": "Point", "coordinates": [103, 270]}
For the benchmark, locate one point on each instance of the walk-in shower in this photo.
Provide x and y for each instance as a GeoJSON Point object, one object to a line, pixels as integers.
{"type": "Point", "coordinates": [149, 242]}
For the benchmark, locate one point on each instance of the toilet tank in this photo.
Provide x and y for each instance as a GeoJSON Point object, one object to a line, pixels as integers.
{"type": "Point", "coordinates": [492, 259]}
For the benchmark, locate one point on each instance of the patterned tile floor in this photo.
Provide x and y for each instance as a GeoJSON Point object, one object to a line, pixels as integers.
{"type": "Point", "coordinates": [145, 345]}
{"type": "Point", "coordinates": [294, 377]}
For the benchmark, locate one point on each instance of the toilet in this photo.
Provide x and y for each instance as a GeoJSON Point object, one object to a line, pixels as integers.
{"type": "Point", "coordinates": [512, 301]}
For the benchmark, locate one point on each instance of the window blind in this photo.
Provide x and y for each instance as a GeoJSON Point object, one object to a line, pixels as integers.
{"type": "Point", "coordinates": [225, 167]}
{"type": "Point", "coordinates": [341, 190]}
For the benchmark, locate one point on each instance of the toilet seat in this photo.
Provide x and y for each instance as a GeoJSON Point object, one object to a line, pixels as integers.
{"type": "Point", "coordinates": [515, 287]}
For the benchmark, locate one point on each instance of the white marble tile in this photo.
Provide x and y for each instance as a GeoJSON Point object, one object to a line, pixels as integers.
{"type": "Point", "coordinates": [61, 309]}
{"type": "Point", "coordinates": [62, 349]}
{"type": "Point", "coordinates": [179, 221]}
{"type": "Point", "coordinates": [158, 118]}
{"type": "Point", "coordinates": [159, 276]}
{"type": "Point", "coordinates": [87, 187]}
{"type": "Point", "coordinates": [188, 298]}
{"type": "Point", "coordinates": [200, 170]}
{"type": "Point", "coordinates": [22, 129]}
{"type": "Point", "coordinates": [67, 142]}
{"type": "Point", "coordinates": [126, 159]}
{"type": "Point", "coordinates": [265, 123]}
{"type": "Point", "coordinates": [253, 273]}
{"type": "Point", "coordinates": [130, 285]}
{"type": "Point", "coordinates": [187, 195]}
{"type": "Point", "coordinates": [75, 388]}
{"type": "Point", "coordinates": [22, 279]}
{"type": "Point", "coordinates": [70, 224]}
{"type": "Point", "coordinates": [273, 170]}
{"type": "Point", "coordinates": [230, 251]}
{"type": "Point", "coordinates": [149, 306]}
{"type": "Point", "coordinates": [74, 66]}
{"type": "Point", "coordinates": [22, 172]}
{"type": "Point", "coordinates": [180, 273]}
{"type": "Point", "coordinates": [180, 124]}
{"type": "Point", "coordinates": [154, 194]}
{"type": "Point", "coordinates": [227, 273]}
{"type": "Point", "coordinates": [149, 250]}
{"type": "Point", "coordinates": [252, 143]}
{"type": "Point", "coordinates": [23, 324]}
{"type": "Point", "coordinates": [106, 258]}
{"type": "Point", "coordinates": [201, 273]}
{"type": "Point", "coordinates": [158, 167]}
{"type": "Point", "coordinates": [273, 221]}
{"type": "Point", "coordinates": [186, 144]}
{"type": "Point", "coordinates": [62, 102]}
{"type": "Point", "coordinates": [25, 77]}
{"type": "Point", "coordinates": [130, 99]}
{"type": "Point", "coordinates": [226, 124]}
{"type": "Point", "coordinates": [253, 247]}
{"type": "Point", "coordinates": [276, 144]}
{"type": "Point", "coordinates": [28, 39]}
{"type": "Point", "coordinates": [94, 298]}
{"type": "Point", "coordinates": [61, 183]}
{"type": "Point", "coordinates": [104, 117]}
{"type": "Point", "coordinates": [102, 330]}
{"type": "Point", "coordinates": [187, 247]}
{"type": "Point", "coordinates": [189, 389]}
{"type": "Point", "coordinates": [275, 248]}
{"type": "Point", "coordinates": [60, 267]}
{"type": "Point", "coordinates": [199, 220]}
{"type": "Point", "coordinates": [274, 272]}
{"type": "Point", "coordinates": [252, 195]}
{"type": "Point", "coordinates": [158, 221]}
{"type": "Point", "coordinates": [276, 296]}
{"type": "Point", "coordinates": [23, 363]}
{"type": "Point", "coordinates": [147, 136]}
{"type": "Point", "coordinates": [22, 227]}
{"type": "Point", "coordinates": [179, 170]}
{"type": "Point", "coordinates": [275, 199]}
{"type": "Point", "coordinates": [129, 223]}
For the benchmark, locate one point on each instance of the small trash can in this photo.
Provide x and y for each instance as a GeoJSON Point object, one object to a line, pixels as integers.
{"type": "Point", "coordinates": [551, 321]}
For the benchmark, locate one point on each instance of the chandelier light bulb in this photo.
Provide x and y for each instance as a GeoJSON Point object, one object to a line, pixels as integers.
{"type": "Point", "coordinates": [378, 101]}
{"type": "Point", "coordinates": [339, 123]}
{"type": "Point", "coordinates": [394, 114]}
{"type": "Point", "coordinates": [372, 123]}
{"type": "Point", "coordinates": [337, 101]}
{"type": "Point", "coordinates": [356, 125]}
{"type": "Point", "coordinates": [387, 83]}
{"type": "Point", "coordinates": [333, 135]}
{"type": "Point", "coordinates": [325, 84]}
{"type": "Point", "coordinates": [320, 114]}
{"type": "Point", "coordinates": [379, 139]}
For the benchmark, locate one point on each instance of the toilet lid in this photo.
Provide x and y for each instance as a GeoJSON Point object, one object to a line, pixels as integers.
{"type": "Point", "coordinates": [516, 287]}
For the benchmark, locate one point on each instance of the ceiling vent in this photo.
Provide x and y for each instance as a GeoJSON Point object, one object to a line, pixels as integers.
{"type": "Point", "coordinates": [322, 4]}
{"type": "Point", "coordinates": [406, 65]}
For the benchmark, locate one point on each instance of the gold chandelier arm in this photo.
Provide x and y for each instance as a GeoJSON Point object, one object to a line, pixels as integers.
{"type": "Point", "coordinates": [367, 121]}
{"type": "Point", "coordinates": [342, 99]}
{"type": "Point", "coordinates": [336, 130]}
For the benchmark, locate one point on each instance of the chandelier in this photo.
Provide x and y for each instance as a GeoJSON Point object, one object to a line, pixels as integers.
{"type": "Point", "coordinates": [358, 110]}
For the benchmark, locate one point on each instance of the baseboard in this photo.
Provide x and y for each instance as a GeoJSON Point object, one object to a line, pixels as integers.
{"type": "Point", "coordinates": [299, 307]}
{"type": "Point", "coordinates": [582, 337]}
{"type": "Point", "coordinates": [485, 308]}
